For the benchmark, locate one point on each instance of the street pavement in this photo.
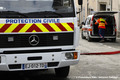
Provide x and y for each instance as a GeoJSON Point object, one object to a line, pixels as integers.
{"type": "Point", "coordinates": [90, 67]}
{"type": "Point", "coordinates": [114, 45]}
{"type": "Point", "coordinates": [96, 46]}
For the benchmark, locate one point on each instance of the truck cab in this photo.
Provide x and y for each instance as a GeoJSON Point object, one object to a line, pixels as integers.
{"type": "Point", "coordinates": [38, 34]}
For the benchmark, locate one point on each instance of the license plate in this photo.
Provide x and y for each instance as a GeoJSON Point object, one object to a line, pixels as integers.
{"type": "Point", "coordinates": [34, 66]}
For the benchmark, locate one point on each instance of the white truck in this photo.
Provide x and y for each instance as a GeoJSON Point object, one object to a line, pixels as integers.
{"type": "Point", "coordinates": [38, 34]}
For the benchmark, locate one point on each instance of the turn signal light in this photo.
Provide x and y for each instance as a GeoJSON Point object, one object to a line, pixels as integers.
{"type": "Point", "coordinates": [75, 55]}
{"type": "Point", "coordinates": [89, 29]}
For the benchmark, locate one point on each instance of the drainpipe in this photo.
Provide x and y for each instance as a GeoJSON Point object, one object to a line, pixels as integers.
{"type": "Point", "coordinates": [97, 5]}
{"type": "Point", "coordinates": [111, 5]}
{"type": "Point", "coordinates": [87, 8]}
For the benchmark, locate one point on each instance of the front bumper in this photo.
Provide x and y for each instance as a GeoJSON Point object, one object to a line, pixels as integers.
{"type": "Point", "coordinates": [14, 62]}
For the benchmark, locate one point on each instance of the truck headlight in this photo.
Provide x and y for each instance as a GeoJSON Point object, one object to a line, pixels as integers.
{"type": "Point", "coordinates": [71, 55]}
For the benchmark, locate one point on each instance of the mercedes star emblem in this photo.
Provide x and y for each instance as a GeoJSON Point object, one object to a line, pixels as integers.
{"type": "Point", "coordinates": [34, 40]}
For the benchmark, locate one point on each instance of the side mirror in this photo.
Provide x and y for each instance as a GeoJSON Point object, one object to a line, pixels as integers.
{"type": "Point", "coordinates": [83, 23]}
{"type": "Point", "coordinates": [80, 26]}
{"type": "Point", "coordinates": [80, 2]}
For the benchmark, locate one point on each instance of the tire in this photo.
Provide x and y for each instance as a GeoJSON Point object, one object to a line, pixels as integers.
{"type": "Point", "coordinates": [62, 72]}
{"type": "Point", "coordinates": [88, 38]}
{"type": "Point", "coordinates": [83, 37]}
{"type": "Point", "coordinates": [113, 39]}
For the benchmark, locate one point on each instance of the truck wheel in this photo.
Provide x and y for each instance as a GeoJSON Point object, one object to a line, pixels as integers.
{"type": "Point", "coordinates": [113, 39]}
{"type": "Point", "coordinates": [62, 72]}
{"type": "Point", "coordinates": [83, 37]}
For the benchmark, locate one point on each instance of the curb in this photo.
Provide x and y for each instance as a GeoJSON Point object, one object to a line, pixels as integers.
{"type": "Point", "coordinates": [101, 53]}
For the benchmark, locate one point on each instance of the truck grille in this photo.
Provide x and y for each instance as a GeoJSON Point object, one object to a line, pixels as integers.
{"type": "Point", "coordinates": [22, 40]}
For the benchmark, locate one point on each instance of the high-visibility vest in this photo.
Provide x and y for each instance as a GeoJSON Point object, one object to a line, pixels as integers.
{"type": "Point", "coordinates": [101, 23]}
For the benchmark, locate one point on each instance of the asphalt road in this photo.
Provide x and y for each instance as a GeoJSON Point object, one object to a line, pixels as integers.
{"type": "Point", "coordinates": [95, 46]}
{"type": "Point", "coordinates": [90, 67]}
{"type": "Point", "coordinates": [115, 45]}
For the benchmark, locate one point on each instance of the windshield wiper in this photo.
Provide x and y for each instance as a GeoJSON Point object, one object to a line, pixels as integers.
{"type": "Point", "coordinates": [15, 12]}
{"type": "Point", "coordinates": [46, 13]}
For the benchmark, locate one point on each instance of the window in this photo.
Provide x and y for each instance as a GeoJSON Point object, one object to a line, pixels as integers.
{"type": "Point", "coordinates": [40, 8]}
{"type": "Point", "coordinates": [88, 20]}
{"type": "Point", "coordinates": [102, 7]}
{"type": "Point", "coordinates": [67, 3]}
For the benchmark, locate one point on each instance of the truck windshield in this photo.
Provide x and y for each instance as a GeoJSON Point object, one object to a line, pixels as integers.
{"type": "Point", "coordinates": [37, 8]}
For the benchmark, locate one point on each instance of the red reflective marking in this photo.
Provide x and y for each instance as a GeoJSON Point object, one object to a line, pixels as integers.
{"type": "Point", "coordinates": [5, 27]}
{"type": "Point", "coordinates": [18, 28]}
{"type": "Point", "coordinates": [34, 27]}
{"type": "Point", "coordinates": [71, 25]}
{"type": "Point", "coordinates": [48, 27]}
{"type": "Point", "coordinates": [61, 26]}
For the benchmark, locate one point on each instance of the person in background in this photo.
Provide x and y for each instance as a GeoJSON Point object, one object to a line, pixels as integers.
{"type": "Point", "coordinates": [101, 26]}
